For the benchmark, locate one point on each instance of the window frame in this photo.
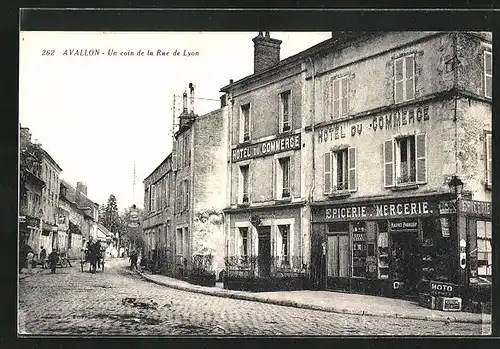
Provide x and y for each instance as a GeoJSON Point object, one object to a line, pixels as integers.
{"type": "Point", "coordinates": [288, 94]}
{"type": "Point", "coordinates": [404, 78]}
{"type": "Point", "coordinates": [349, 165]}
{"type": "Point", "coordinates": [241, 184]}
{"type": "Point", "coordinates": [343, 100]}
{"type": "Point", "coordinates": [281, 189]}
{"type": "Point", "coordinates": [488, 253]}
{"type": "Point", "coordinates": [243, 137]}
{"type": "Point", "coordinates": [486, 75]}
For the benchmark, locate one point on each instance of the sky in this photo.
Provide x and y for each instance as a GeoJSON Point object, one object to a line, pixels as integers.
{"type": "Point", "coordinates": [99, 115]}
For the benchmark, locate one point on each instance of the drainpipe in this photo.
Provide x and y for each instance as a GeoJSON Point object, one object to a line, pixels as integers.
{"type": "Point", "coordinates": [310, 199]}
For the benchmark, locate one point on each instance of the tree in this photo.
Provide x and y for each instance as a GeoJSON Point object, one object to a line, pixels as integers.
{"type": "Point", "coordinates": [110, 216]}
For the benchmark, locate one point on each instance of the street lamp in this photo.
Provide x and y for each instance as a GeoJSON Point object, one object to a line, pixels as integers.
{"type": "Point", "coordinates": [456, 185]}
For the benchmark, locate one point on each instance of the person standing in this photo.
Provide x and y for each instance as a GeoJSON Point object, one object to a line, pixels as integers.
{"type": "Point", "coordinates": [53, 257]}
{"type": "Point", "coordinates": [29, 260]}
{"type": "Point", "coordinates": [43, 256]}
{"type": "Point", "coordinates": [133, 260]}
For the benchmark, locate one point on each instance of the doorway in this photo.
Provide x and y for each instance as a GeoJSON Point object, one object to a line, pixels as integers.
{"type": "Point", "coordinates": [405, 260]}
{"type": "Point", "coordinates": [264, 249]}
{"type": "Point", "coordinates": [338, 255]}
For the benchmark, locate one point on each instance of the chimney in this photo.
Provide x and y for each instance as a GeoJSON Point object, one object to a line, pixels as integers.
{"type": "Point", "coordinates": [184, 102]}
{"type": "Point", "coordinates": [266, 52]}
{"type": "Point", "coordinates": [191, 98]}
{"type": "Point", "coordinates": [81, 188]}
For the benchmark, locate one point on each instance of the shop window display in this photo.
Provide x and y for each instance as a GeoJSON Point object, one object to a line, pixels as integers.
{"type": "Point", "coordinates": [359, 250]}
{"type": "Point", "coordinates": [435, 251]}
{"type": "Point", "coordinates": [383, 250]}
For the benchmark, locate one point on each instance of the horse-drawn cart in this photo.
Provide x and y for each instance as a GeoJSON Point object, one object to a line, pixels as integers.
{"type": "Point", "coordinates": [94, 257]}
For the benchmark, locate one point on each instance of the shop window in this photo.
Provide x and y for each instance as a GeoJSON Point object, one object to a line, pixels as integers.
{"type": "Point", "coordinates": [245, 123]}
{"type": "Point", "coordinates": [285, 114]}
{"type": "Point", "coordinates": [383, 250]}
{"type": "Point", "coordinates": [338, 250]}
{"type": "Point", "coordinates": [340, 171]}
{"type": "Point", "coordinates": [484, 255]}
{"type": "Point", "coordinates": [405, 161]}
{"type": "Point", "coordinates": [488, 160]}
{"type": "Point", "coordinates": [404, 79]}
{"type": "Point", "coordinates": [337, 97]}
{"type": "Point", "coordinates": [359, 250]}
{"type": "Point", "coordinates": [435, 250]}
{"type": "Point", "coordinates": [488, 74]}
{"type": "Point", "coordinates": [283, 178]}
{"type": "Point", "coordinates": [244, 244]}
{"type": "Point", "coordinates": [244, 198]}
{"type": "Point", "coordinates": [284, 244]}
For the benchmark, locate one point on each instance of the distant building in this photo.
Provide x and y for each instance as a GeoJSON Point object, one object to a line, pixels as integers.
{"type": "Point", "coordinates": [30, 191]}
{"type": "Point", "coordinates": [50, 202]}
{"type": "Point", "coordinates": [185, 195]}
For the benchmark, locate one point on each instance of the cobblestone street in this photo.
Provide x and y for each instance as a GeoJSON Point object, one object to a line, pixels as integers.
{"type": "Point", "coordinates": [119, 302]}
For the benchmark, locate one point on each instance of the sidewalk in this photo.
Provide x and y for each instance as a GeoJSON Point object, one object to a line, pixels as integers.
{"type": "Point", "coordinates": [335, 302]}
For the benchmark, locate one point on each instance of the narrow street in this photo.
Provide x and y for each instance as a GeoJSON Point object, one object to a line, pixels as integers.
{"type": "Point", "coordinates": [119, 302]}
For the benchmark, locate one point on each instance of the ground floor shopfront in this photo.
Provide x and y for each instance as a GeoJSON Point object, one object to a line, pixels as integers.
{"type": "Point", "coordinates": [393, 247]}
{"type": "Point", "coordinates": [266, 248]}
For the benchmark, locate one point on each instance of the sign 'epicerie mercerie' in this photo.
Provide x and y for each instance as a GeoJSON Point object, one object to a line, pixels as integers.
{"type": "Point", "coordinates": [291, 142]}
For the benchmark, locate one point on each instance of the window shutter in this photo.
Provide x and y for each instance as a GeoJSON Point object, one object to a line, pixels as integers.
{"type": "Point", "coordinates": [388, 163]}
{"type": "Point", "coordinates": [352, 169]}
{"type": "Point", "coordinates": [336, 98]}
{"type": "Point", "coordinates": [487, 73]}
{"type": "Point", "coordinates": [250, 182]}
{"type": "Point", "coordinates": [398, 81]}
{"type": "Point", "coordinates": [231, 243]}
{"type": "Point", "coordinates": [421, 158]}
{"type": "Point", "coordinates": [344, 110]}
{"type": "Point", "coordinates": [291, 176]}
{"type": "Point", "coordinates": [274, 174]}
{"type": "Point", "coordinates": [327, 159]}
{"type": "Point", "coordinates": [410, 77]}
{"type": "Point", "coordinates": [328, 100]}
{"type": "Point", "coordinates": [489, 161]}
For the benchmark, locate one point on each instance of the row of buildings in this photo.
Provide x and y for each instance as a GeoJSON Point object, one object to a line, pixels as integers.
{"type": "Point", "coordinates": [52, 213]}
{"type": "Point", "coordinates": [363, 163]}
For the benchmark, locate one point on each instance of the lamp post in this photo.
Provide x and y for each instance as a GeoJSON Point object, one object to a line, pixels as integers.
{"type": "Point", "coordinates": [456, 186]}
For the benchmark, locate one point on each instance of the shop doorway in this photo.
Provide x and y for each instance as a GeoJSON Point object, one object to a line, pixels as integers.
{"type": "Point", "coordinates": [405, 260]}
{"type": "Point", "coordinates": [338, 256]}
{"type": "Point", "coordinates": [264, 249]}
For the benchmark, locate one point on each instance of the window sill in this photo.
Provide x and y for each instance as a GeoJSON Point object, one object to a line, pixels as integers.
{"type": "Point", "coordinates": [283, 200]}
{"type": "Point", "coordinates": [287, 132]}
{"type": "Point", "coordinates": [243, 204]}
{"type": "Point", "coordinates": [339, 194]}
{"type": "Point", "coordinates": [401, 187]}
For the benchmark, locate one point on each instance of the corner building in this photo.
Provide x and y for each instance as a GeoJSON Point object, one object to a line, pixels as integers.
{"type": "Point", "coordinates": [396, 117]}
{"type": "Point", "coordinates": [266, 216]}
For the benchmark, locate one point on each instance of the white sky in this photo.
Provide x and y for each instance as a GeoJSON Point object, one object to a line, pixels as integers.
{"type": "Point", "coordinates": [97, 115]}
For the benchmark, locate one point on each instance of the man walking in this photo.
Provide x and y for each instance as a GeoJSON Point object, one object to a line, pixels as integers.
{"type": "Point", "coordinates": [43, 256]}
{"type": "Point", "coordinates": [53, 257]}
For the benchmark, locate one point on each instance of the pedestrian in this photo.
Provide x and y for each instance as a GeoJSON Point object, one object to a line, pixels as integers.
{"type": "Point", "coordinates": [53, 258]}
{"type": "Point", "coordinates": [29, 261]}
{"type": "Point", "coordinates": [43, 256]}
{"type": "Point", "coordinates": [133, 260]}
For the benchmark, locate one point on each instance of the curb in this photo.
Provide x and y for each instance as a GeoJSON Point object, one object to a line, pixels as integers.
{"type": "Point", "coordinates": [287, 303]}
